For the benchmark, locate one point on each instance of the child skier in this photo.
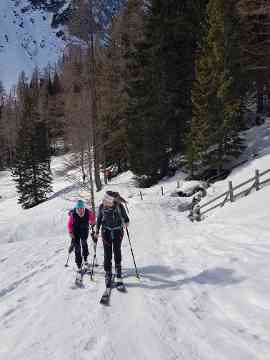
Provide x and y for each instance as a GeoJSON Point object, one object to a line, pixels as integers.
{"type": "Point", "coordinates": [78, 227]}
{"type": "Point", "coordinates": [112, 218]}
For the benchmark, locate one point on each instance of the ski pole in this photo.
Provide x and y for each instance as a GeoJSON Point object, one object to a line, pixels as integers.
{"type": "Point", "coordinates": [123, 224]}
{"type": "Point", "coordinates": [95, 254]}
{"type": "Point", "coordinates": [70, 249]}
{"type": "Point", "coordinates": [66, 264]}
{"type": "Point", "coordinates": [93, 263]}
{"type": "Point", "coordinates": [137, 274]}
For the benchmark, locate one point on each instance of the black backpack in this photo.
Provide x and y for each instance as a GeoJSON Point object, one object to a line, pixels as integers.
{"type": "Point", "coordinates": [110, 217]}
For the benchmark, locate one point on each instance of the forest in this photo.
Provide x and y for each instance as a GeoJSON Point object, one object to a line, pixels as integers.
{"type": "Point", "coordinates": [147, 86]}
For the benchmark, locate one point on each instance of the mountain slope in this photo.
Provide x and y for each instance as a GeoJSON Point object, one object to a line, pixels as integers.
{"type": "Point", "coordinates": [32, 33]}
{"type": "Point", "coordinates": [27, 40]}
{"type": "Point", "coordinates": [204, 290]}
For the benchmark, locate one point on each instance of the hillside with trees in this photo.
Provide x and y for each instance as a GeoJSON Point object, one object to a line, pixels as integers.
{"type": "Point", "coordinates": [150, 87]}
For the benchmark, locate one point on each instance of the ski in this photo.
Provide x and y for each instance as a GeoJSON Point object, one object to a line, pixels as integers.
{"type": "Point", "coordinates": [79, 279]}
{"type": "Point", "coordinates": [105, 298]}
{"type": "Point", "coordinates": [120, 286]}
{"type": "Point", "coordinates": [94, 262]}
{"type": "Point", "coordinates": [80, 274]}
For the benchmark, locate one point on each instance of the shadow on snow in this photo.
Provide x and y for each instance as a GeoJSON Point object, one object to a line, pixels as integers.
{"type": "Point", "coordinates": [163, 277]}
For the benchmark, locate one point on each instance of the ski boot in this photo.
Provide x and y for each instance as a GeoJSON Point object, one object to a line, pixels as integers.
{"type": "Point", "coordinates": [79, 277]}
{"type": "Point", "coordinates": [108, 279]}
{"type": "Point", "coordinates": [86, 267]}
{"type": "Point", "coordinates": [119, 280]}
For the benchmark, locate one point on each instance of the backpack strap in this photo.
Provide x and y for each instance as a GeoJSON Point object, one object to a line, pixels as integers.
{"type": "Point", "coordinates": [71, 212]}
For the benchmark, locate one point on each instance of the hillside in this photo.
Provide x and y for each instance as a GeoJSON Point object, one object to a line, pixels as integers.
{"type": "Point", "coordinates": [204, 290]}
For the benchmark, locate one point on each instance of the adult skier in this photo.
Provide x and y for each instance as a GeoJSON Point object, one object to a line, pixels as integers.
{"type": "Point", "coordinates": [112, 218]}
{"type": "Point", "coordinates": [78, 227]}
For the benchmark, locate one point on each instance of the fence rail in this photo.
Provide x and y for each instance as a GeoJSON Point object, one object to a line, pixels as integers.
{"type": "Point", "coordinates": [231, 194]}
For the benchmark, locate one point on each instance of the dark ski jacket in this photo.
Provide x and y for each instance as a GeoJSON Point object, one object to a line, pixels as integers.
{"type": "Point", "coordinates": [112, 218]}
{"type": "Point", "coordinates": [80, 225]}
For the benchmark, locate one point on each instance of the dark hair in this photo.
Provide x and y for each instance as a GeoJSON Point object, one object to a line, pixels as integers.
{"type": "Point", "coordinates": [117, 197]}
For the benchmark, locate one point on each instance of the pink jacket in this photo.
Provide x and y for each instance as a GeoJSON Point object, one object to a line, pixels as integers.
{"type": "Point", "coordinates": [91, 220]}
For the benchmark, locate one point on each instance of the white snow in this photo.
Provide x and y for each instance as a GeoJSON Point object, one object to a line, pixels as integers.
{"type": "Point", "coordinates": [26, 40]}
{"type": "Point", "coordinates": [204, 292]}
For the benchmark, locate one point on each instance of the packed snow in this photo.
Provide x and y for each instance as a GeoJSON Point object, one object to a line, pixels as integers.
{"type": "Point", "coordinates": [204, 289]}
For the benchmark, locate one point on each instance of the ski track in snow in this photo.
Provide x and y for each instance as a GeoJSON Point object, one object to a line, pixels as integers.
{"type": "Point", "coordinates": [203, 294]}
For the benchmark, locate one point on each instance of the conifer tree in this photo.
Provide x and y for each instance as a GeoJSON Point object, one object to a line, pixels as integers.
{"type": "Point", "coordinates": [147, 138]}
{"type": "Point", "coordinates": [255, 43]}
{"type": "Point", "coordinates": [2, 147]}
{"type": "Point", "coordinates": [8, 128]}
{"type": "Point", "coordinates": [113, 72]}
{"type": "Point", "coordinates": [219, 90]}
{"type": "Point", "coordinates": [161, 69]}
{"type": "Point", "coordinates": [31, 169]}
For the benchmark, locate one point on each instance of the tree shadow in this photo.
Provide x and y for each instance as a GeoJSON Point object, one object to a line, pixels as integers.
{"type": "Point", "coordinates": [164, 277]}
{"type": "Point", "coordinates": [64, 191]}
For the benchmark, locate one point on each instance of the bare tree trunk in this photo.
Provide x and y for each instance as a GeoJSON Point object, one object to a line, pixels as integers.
{"type": "Point", "coordinates": [103, 154]}
{"type": "Point", "coordinates": [82, 162]}
{"type": "Point", "coordinates": [259, 87]}
{"type": "Point", "coordinates": [92, 83]}
{"type": "Point", "coordinates": [91, 182]}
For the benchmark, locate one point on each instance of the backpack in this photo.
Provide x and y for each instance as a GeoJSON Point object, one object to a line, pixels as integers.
{"type": "Point", "coordinates": [114, 217]}
{"type": "Point", "coordinates": [110, 217]}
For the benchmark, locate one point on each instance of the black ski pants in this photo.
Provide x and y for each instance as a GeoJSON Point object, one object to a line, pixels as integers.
{"type": "Point", "coordinates": [81, 249]}
{"type": "Point", "coordinates": [112, 240]}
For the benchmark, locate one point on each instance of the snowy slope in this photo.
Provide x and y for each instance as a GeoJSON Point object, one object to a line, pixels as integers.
{"type": "Point", "coordinates": [32, 33]}
{"type": "Point", "coordinates": [204, 290]}
{"type": "Point", "coordinates": [26, 40]}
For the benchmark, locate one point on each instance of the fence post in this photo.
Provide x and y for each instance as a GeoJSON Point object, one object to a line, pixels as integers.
{"type": "Point", "coordinates": [178, 184]}
{"type": "Point", "coordinates": [198, 215]}
{"type": "Point", "coordinates": [162, 191]}
{"type": "Point", "coordinates": [231, 191]}
{"type": "Point", "coordinates": [141, 195]}
{"type": "Point", "coordinates": [257, 180]}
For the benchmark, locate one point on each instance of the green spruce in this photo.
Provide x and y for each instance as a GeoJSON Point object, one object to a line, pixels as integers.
{"type": "Point", "coordinates": [160, 83]}
{"type": "Point", "coordinates": [31, 169]}
{"type": "Point", "coordinates": [218, 92]}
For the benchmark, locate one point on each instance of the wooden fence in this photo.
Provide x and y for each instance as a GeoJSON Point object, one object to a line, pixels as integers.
{"type": "Point", "coordinates": [233, 193]}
